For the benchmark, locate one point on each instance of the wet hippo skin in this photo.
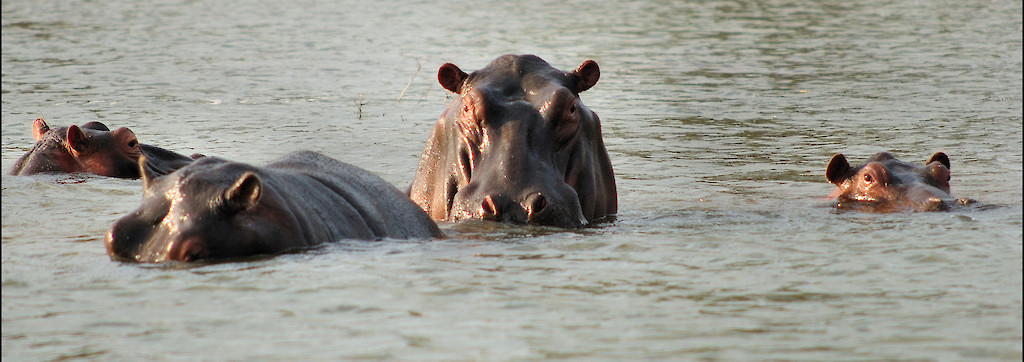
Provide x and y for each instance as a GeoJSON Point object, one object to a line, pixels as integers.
{"type": "Point", "coordinates": [517, 145]}
{"type": "Point", "coordinates": [216, 209]}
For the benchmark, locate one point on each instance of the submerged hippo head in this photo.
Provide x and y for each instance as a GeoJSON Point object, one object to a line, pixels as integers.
{"type": "Point", "coordinates": [885, 184]}
{"type": "Point", "coordinates": [90, 148]}
{"type": "Point", "coordinates": [216, 209]}
{"type": "Point", "coordinates": [517, 144]}
{"type": "Point", "coordinates": [207, 210]}
{"type": "Point", "coordinates": [93, 148]}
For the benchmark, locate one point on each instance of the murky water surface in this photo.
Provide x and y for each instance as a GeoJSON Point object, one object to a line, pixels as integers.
{"type": "Point", "coordinates": [719, 116]}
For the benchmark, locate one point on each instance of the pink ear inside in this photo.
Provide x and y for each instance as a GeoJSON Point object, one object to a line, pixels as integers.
{"type": "Point", "coordinates": [587, 75]}
{"type": "Point", "coordinates": [837, 168]}
{"type": "Point", "coordinates": [451, 77]}
{"type": "Point", "coordinates": [75, 138]}
{"type": "Point", "coordinates": [39, 128]}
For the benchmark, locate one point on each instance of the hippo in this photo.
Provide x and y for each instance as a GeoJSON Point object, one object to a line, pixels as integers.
{"type": "Point", "coordinates": [215, 209]}
{"type": "Point", "coordinates": [94, 148]}
{"type": "Point", "coordinates": [517, 145]}
{"type": "Point", "coordinates": [886, 184]}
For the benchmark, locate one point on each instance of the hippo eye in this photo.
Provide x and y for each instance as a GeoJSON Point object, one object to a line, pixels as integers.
{"type": "Point", "coordinates": [572, 109]}
{"type": "Point", "coordinates": [133, 143]}
{"type": "Point", "coordinates": [868, 178]}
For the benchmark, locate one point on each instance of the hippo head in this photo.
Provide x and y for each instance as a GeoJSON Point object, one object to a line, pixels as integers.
{"type": "Point", "coordinates": [517, 145]}
{"type": "Point", "coordinates": [210, 209]}
{"type": "Point", "coordinates": [885, 184]}
{"type": "Point", "coordinates": [90, 148]}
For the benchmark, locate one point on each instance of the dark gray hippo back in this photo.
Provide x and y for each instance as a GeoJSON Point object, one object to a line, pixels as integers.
{"type": "Point", "coordinates": [215, 208]}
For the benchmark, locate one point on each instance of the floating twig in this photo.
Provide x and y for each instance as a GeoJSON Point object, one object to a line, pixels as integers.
{"type": "Point", "coordinates": [418, 67]}
{"type": "Point", "coordinates": [359, 106]}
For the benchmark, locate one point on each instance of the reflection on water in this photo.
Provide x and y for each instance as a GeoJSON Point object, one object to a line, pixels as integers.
{"type": "Point", "coordinates": [719, 117]}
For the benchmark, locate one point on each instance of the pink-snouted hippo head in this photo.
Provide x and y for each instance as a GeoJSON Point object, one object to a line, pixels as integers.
{"type": "Point", "coordinates": [886, 184]}
{"type": "Point", "coordinates": [93, 148]}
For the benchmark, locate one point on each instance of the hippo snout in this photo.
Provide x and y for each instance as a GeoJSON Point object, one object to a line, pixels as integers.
{"type": "Point", "coordinates": [927, 198]}
{"type": "Point", "coordinates": [536, 208]}
{"type": "Point", "coordinates": [934, 204]}
{"type": "Point", "coordinates": [124, 239]}
{"type": "Point", "coordinates": [132, 239]}
{"type": "Point", "coordinates": [566, 212]}
{"type": "Point", "coordinates": [497, 208]}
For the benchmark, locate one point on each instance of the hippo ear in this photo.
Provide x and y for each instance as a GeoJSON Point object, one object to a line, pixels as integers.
{"type": "Point", "coordinates": [148, 176]}
{"type": "Point", "coordinates": [39, 128]}
{"type": "Point", "coordinates": [451, 77]}
{"type": "Point", "coordinates": [586, 75]}
{"type": "Point", "coordinates": [245, 193]}
{"type": "Point", "coordinates": [76, 138]}
{"type": "Point", "coordinates": [837, 169]}
{"type": "Point", "coordinates": [939, 156]}
{"type": "Point", "coordinates": [96, 126]}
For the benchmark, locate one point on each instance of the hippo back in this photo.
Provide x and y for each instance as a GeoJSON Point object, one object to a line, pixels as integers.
{"type": "Point", "coordinates": [385, 211]}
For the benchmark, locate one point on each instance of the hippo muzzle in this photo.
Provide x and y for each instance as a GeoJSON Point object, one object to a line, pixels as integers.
{"type": "Point", "coordinates": [548, 207]}
{"type": "Point", "coordinates": [927, 198]}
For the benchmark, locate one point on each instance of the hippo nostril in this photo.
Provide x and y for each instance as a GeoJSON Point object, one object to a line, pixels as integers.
{"type": "Point", "coordinates": [535, 204]}
{"type": "Point", "coordinates": [488, 209]}
{"type": "Point", "coordinates": [185, 250]}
